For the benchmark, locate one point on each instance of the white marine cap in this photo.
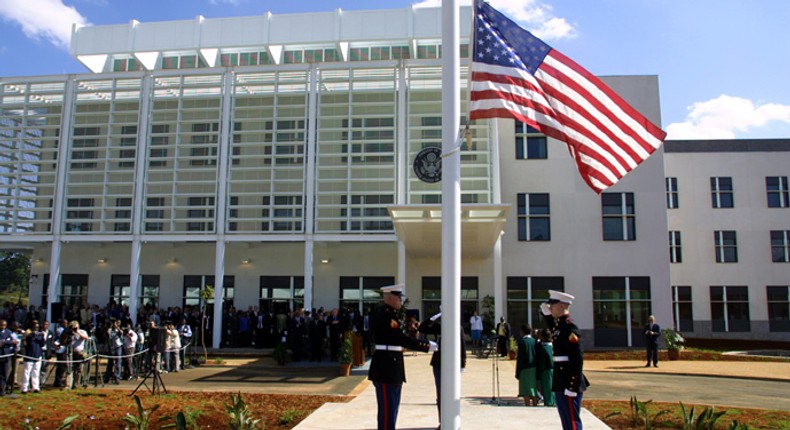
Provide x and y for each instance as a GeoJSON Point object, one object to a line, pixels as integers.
{"type": "Point", "coordinates": [398, 289]}
{"type": "Point", "coordinates": [559, 296]}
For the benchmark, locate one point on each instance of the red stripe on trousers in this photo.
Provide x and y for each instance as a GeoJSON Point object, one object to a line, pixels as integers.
{"type": "Point", "coordinates": [386, 407]}
{"type": "Point", "coordinates": [571, 411]}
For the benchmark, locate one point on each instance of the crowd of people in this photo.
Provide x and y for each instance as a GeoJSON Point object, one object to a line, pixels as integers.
{"type": "Point", "coordinates": [160, 339]}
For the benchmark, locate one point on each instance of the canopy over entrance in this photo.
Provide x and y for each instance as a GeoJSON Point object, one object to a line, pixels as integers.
{"type": "Point", "coordinates": [419, 227]}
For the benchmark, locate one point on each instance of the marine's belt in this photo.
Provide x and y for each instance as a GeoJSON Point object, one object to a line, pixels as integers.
{"type": "Point", "coordinates": [561, 358]}
{"type": "Point", "coordinates": [389, 348]}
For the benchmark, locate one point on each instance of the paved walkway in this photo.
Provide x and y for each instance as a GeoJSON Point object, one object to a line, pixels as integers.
{"type": "Point", "coordinates": [481, 406]}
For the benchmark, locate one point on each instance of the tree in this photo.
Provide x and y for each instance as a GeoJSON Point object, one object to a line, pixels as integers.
{"type": "Point", "coordinates": [14, 274]}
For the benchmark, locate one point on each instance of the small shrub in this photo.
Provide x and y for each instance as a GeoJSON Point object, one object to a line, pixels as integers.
{"type": "Point", "coordinates": [143, 418]}
{"type": "Point", "coordinates": [240, 417]}
{"type": "Point", "coordinates": [640, 416]}
{"type": "Point", "coordinates": [706, 420]}
{"type": "Point", "coordinates": [288, 417]}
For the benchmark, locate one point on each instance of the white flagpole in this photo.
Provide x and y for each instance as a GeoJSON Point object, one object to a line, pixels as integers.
{"type": "Point", "coordinates": [451, 219]}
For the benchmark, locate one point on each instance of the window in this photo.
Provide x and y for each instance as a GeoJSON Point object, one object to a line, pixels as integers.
{"type": "Point", "coordinates": [524, 296]}
{"type": "Point", "coordinates": [129, 142]}
{"type": "Point", "coordinates": [361, 292]}
{"type": "Point", "coordinates": [201, 208]}
{"type": "Point", "coordinates": [721, 192]}
{"type": "Point", "coordinates": [194, 284]}
{"type": "Point", "coordinates": [530, 143]}
{"type": "Point", "coordinates": [619, 219]}
{"type": "Point", "coordinates": [79, 213]}
{"type": "Point", "coordinates": [621, 306]}
{"type": "Point", "coordinates": [281, 294]}
{"type": "Point", "coordinates": [672, 192]}
{"type": "Point", "coordinates": [73, 290]}
{"type": "Point", "coordinates": [84, 147]}
{"type": "Point", "coordinates": [374, 140]}
{"type": "Point", "coordinates": [124, 212]}
{"type": "Point", "coordinates": [729, 309]}
{"type": "Point", "coordinates": [204, 149]}
{"type": "Point", "coordinates": [776, 187]}
{"type": "Point", "coordinates": [119, 289]}
{"type": "Point", "coordinates": [432, 296]}
{"type": "Point", "coordinates": [778, 307]}
{"type": "Point", "coordinates": [152, 213]}
{"type": "Point", "coordinates": [726, 247]}
{"type": "Point", "coordinates": [534, 220]}
{"type": "Point", "coordinates": [371, 211]}
{"type": "Point", "coordinates": [158, 140]}
{"type": "Point", "coordinates": [287, 213]}
{"type": "Point", "coordinates": [780, 246]}
{"type": "Point", "coordinates": [150, 291]}
{"type": "Point", "coordinates": [681, 308]}
{"type": "Point", "coordinates": [675, 251]}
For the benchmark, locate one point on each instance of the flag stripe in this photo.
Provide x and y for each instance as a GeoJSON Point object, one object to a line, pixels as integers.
{"type": "Point", "coordinates": [515, 75]}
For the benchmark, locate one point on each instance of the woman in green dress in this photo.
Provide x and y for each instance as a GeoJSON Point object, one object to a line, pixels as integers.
{"type": "Point", "coordinates": [526, 368]}
{"type": "Point", "coordinates": [545, 353]}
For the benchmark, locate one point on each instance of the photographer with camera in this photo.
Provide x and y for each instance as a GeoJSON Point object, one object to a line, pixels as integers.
{"type": "Point", "coordinates": [129, 345]}
{"type": "Point", "coordinates": [115, 350]}
{"type": "Point", "coordinates": [78, 338]}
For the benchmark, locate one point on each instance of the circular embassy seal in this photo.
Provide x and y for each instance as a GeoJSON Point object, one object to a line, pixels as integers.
{"type": "Point", "coordinates": [428, 165]}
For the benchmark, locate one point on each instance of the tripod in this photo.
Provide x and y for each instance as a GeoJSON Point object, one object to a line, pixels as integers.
{"type": "Point", "coordinates": [495, 397]}
{"type": "Point", "coordinates": [156, 378]}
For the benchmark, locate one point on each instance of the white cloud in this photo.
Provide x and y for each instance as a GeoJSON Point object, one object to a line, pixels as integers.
{"type": "Point", "coordinates": [49, 20]}
{"type": "Point", "coordinates": [533, 15]}
{"type": "Point", "coordinates": [723, 117]}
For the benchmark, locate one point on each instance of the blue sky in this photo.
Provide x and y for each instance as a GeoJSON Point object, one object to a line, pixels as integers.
{"type": "Point", "coordinates": [723, 65]}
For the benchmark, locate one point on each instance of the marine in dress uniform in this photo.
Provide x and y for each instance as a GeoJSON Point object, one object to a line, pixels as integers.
{"type": "Point", "coordinates": [569, 382]}
{"type": "Point", "coordinates": [386, 367]}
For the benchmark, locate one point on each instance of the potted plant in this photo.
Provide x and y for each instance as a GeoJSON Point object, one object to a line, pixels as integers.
{"type": "Point", "coordinates": [346, 354]}
{"type": "Point", "coordinates": [281, 354]}
{"type": "Point", "coordinates": [674, 341]}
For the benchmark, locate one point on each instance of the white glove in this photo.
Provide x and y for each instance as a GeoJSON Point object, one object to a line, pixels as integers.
{"type": "Point", "coordinates": [545, 308]}
{"type": "Point", "coordinates": [432, 346]}
{"type": "Point", "coordinates": [462, 369]}
{"type": "Point", "coordinates": [436, 317]}
{"type": "Point", "coordinates": [570, 393]}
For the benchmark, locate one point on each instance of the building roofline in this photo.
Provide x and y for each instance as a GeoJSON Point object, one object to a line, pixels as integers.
{"type": "Point", "coordinates": [727, 145]}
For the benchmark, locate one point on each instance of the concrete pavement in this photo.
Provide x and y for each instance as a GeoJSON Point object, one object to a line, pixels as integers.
{"type": "Point", "coordinates": [482, 407]}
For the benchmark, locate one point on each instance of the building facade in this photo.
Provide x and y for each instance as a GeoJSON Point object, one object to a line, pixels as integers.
{"type": "Point", "coordinates": [276, 153]}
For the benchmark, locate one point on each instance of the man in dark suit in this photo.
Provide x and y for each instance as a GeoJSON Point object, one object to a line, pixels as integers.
{"type": "Point", "coordinates": [652, 330]}
{"type": "Point", "coordinates": [386, 368]}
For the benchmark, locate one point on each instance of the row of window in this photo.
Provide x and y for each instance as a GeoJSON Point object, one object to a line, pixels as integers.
{"type": "Point", "coordinates": [722, 193]}
{"type": "Point", "coordinates": [292, 56]}
{"type": "Point", "coordinates": [534, 216]}
{"type": "Point", "coordinates": [726, 246]}
{"type": "Point", "coordinates": [729, 308]}
{"type": "Point", "coordinates": [621, 304]}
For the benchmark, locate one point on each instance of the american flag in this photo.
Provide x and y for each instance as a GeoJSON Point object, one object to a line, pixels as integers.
{"type": "Point", "coordinates": [516, 75]}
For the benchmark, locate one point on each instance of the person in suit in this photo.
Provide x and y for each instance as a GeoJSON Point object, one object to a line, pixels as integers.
{"type": "Point", "coordinates": [503, 337]}
{"type": "Point", "coordinates": [8, 345]}
{"type": "Point", "coordinates": [386, 367]}
{"type": "Point", "coordinates": [433, 326]}
{"type": "Point", "coordinates": [652, 331]}
{"type": "Point", "coordinates": [569, 382]}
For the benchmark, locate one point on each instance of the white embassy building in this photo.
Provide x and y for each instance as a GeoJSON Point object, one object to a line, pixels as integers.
{"type": "Point", "coordinates": [276, 153]}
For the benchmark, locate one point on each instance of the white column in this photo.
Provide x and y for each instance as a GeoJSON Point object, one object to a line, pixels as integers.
{"type": "Point", "coordinates": [500, 297]}
{"type": "Point", "coordinates": [451, 220]}
{"type": "Point", "coordinates": [221, 206]}
{"type": "Point", "coordinates": [311, 159]}
{"type": "Point", "coordinates": [64, 146]}
{"type": "Point", "coordinates": [138, 202]}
